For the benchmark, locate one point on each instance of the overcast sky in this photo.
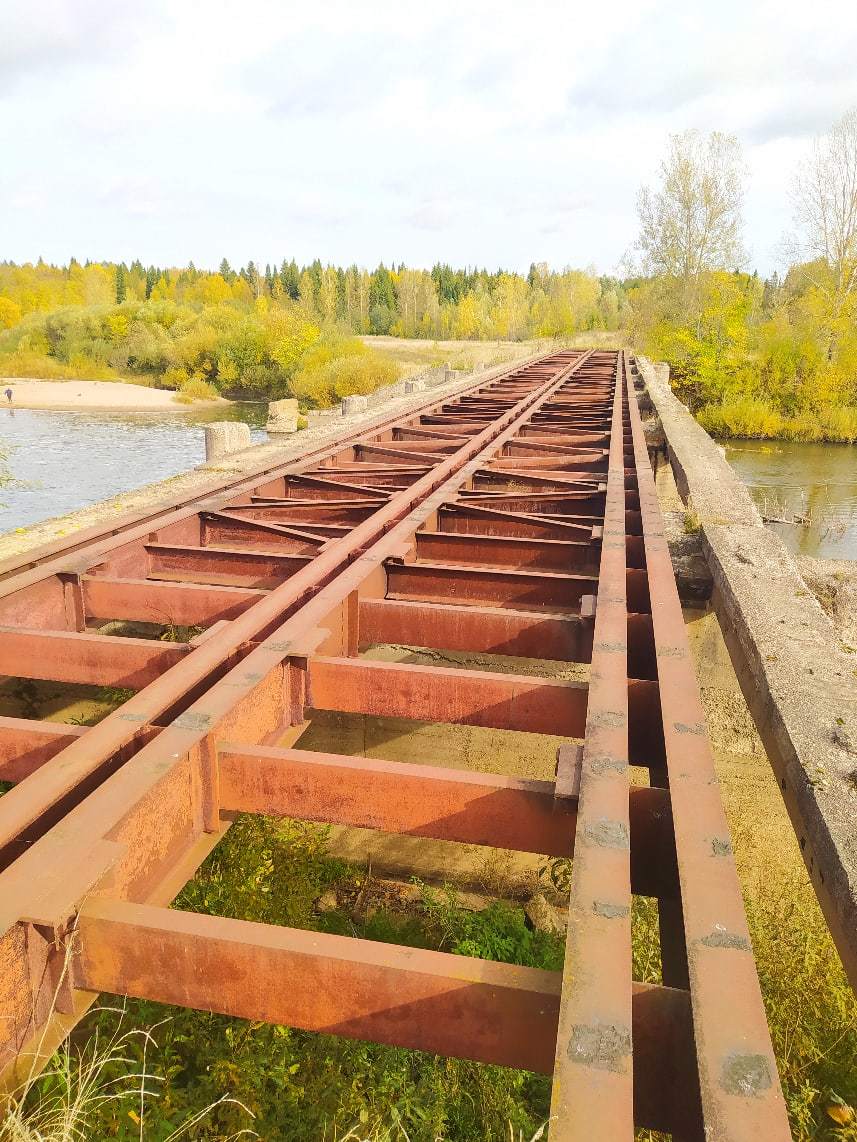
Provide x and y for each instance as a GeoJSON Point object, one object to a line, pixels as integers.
{"type": "Point", "coordinates": [475, 133]}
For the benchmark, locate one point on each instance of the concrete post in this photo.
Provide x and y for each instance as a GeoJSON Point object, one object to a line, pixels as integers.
{"type": "Point", "coordinates": [415, 386]}
{"type": "Point", "coordinates": [282, 416]}
{"type": "Point", "coordinates": [225, 436]}
{"type": "Point", "coordinates": [352, 406]}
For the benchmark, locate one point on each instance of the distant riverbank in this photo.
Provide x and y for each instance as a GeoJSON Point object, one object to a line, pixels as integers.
{"type": "Point", "coordinates": [78, 396]}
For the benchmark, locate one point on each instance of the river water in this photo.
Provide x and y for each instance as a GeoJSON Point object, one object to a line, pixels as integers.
{"type": "Point", "coordinates": [814, 483]}
{"type": "Point", "coordinates": [61, 461]}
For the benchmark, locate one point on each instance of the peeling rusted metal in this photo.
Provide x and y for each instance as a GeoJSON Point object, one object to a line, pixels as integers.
{"type": "Point", "coordinates": [517, 518]}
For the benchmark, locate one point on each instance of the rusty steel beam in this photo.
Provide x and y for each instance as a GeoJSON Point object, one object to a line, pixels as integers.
{"type": "Point", "coordinates": [26, 745]}
{"type": "Point", "coordinates": [452, 1005]}
{"type": "Point", "coordinates": [514, 552]}
{"type": "Point", "coordinates": [487, 586]}
{"type": "Point", "coordinates": [494, 630]}
{"type": "Point", "coordinates": [594, 1061]}
{"type": "Point", "coordinates": [221, 565]}
{"type": "Point", "coordinates": [445, 804]}
{"type": "Point", "coordinates": [446, 557]}
{"type": "Point", "coordinates": [441, 694]}
{"type": "Point", "coordinates": [100, 660]}
{"type": "Point", "coordinates": [737, 1070]}
{"type": "Point", "coordinates": [151, 601]}
{"type": "Point", "coordinates": [414, 800]}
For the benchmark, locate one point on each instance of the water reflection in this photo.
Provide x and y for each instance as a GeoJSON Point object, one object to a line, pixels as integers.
{"type": "Point", "coordinates": [67, 460]}
{"type": "Point", "coordinates": [812, 484]}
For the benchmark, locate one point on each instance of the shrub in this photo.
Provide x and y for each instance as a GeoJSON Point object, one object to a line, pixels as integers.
{"type": "Point", "coordinates": [334, 370]}
{"type": "Point", "coordinates": [198, 389]}
{"type": "Point", "coordinates": [741, 416]}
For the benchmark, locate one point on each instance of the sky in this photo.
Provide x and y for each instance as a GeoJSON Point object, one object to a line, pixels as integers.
{"type": "Point", "coordinates": [491, 134]}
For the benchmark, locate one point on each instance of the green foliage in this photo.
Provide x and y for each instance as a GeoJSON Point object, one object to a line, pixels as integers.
{"type": "Point", "coordinates": [753, 360]}
{"type": "Point", "coordinates": [265, 870]}
{"type": "Point", "coordinates": [336, 367]}
{"type": "Point", "coordinates": [498, 932]}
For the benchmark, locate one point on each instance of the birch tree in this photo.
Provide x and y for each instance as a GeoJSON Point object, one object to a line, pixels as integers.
{"type": "Point", "coordinates": [825, 213]}
{"type": "Point", "coordinates": [691, 223]}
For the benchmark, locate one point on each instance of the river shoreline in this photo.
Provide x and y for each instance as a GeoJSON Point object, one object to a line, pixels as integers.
{"type": "Point", "coordinates": [96, 396]}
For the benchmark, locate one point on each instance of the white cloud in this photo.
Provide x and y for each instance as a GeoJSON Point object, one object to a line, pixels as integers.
{"type": "Point", "coordinates": [478, 133]}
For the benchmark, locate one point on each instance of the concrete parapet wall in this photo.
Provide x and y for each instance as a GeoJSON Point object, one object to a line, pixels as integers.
{"type": "Point", "coordinates": [799, 681]}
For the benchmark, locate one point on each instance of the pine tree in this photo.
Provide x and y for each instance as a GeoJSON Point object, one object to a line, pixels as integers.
{"type": "Point", "coordinates": [121, 283]}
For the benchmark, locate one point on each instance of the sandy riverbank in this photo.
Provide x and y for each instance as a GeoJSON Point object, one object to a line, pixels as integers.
{"type": "Point", "coordinates": [114, 395]}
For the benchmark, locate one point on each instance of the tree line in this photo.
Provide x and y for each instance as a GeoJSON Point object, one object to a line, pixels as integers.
{"type": "Point", "coordinates": [439, 303]}
{"type": "Point", "coordinates": [291, 330]}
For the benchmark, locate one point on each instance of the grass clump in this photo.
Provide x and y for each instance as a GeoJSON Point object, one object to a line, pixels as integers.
{"type": "Point", "coordinates": [104, 1088]}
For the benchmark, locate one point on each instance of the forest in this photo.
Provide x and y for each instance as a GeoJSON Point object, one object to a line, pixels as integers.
{"type": "Point", "coordinates": [285, 331]}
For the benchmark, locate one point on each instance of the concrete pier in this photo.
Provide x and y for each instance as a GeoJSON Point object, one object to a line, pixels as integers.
{"type": "Point", "coordinates": [282, 416]}
{"type": "Point", "coordinates": [224, 437]}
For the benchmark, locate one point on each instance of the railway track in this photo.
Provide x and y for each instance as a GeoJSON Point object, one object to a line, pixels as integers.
{"type": "Point", "coordinates": [517, 519]}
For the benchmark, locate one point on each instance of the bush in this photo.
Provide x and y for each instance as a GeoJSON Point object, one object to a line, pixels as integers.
{"type": "Point", "coordinates": [756, 418]}
{"type": "Point", "coordinates": [340, 368]}
{"type": "Point", "coordinates": [741, 416]}
{"type": "Point", "coordinates": [197, 389]}
{"type": "Point", "coordinates": [24, 363]}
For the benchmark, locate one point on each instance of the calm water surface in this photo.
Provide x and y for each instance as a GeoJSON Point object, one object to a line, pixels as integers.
{"type": "Point", "coordinates": [817, 482]}
{"type": "Point", "coordinates": [67, 460]}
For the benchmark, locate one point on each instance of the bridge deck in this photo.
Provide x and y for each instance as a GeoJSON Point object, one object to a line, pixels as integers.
{"type": "Point", "coordinates": [518, 518]}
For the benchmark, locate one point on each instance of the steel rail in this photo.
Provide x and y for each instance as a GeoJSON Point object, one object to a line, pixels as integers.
{"type": "Point", "coordinates": [492, 555]}
{"type": "Point", "coordinates": [706, 932]}
{"type": "Point", "coordinates": [70, 769]}
{"type": "Point", "coordinates": [594, 1044]}
{"type": "Point", "coordinates": [35, 804]}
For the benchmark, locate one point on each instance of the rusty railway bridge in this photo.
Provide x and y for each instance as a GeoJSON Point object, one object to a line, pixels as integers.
{"type": "Point", "coordinates": [517, 518]}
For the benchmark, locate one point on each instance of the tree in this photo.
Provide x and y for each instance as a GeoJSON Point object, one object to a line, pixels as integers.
{"type": "Point", "coordinates": [10, 313]}
{"type": "Point", "coordinates": [825, 211]}
{"type": "Point", "coordinates": [692, 223]}
{"type": "Point", "coordinates": [328, 295]}
{"type": "Point", "coordinates": [121, 283]}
